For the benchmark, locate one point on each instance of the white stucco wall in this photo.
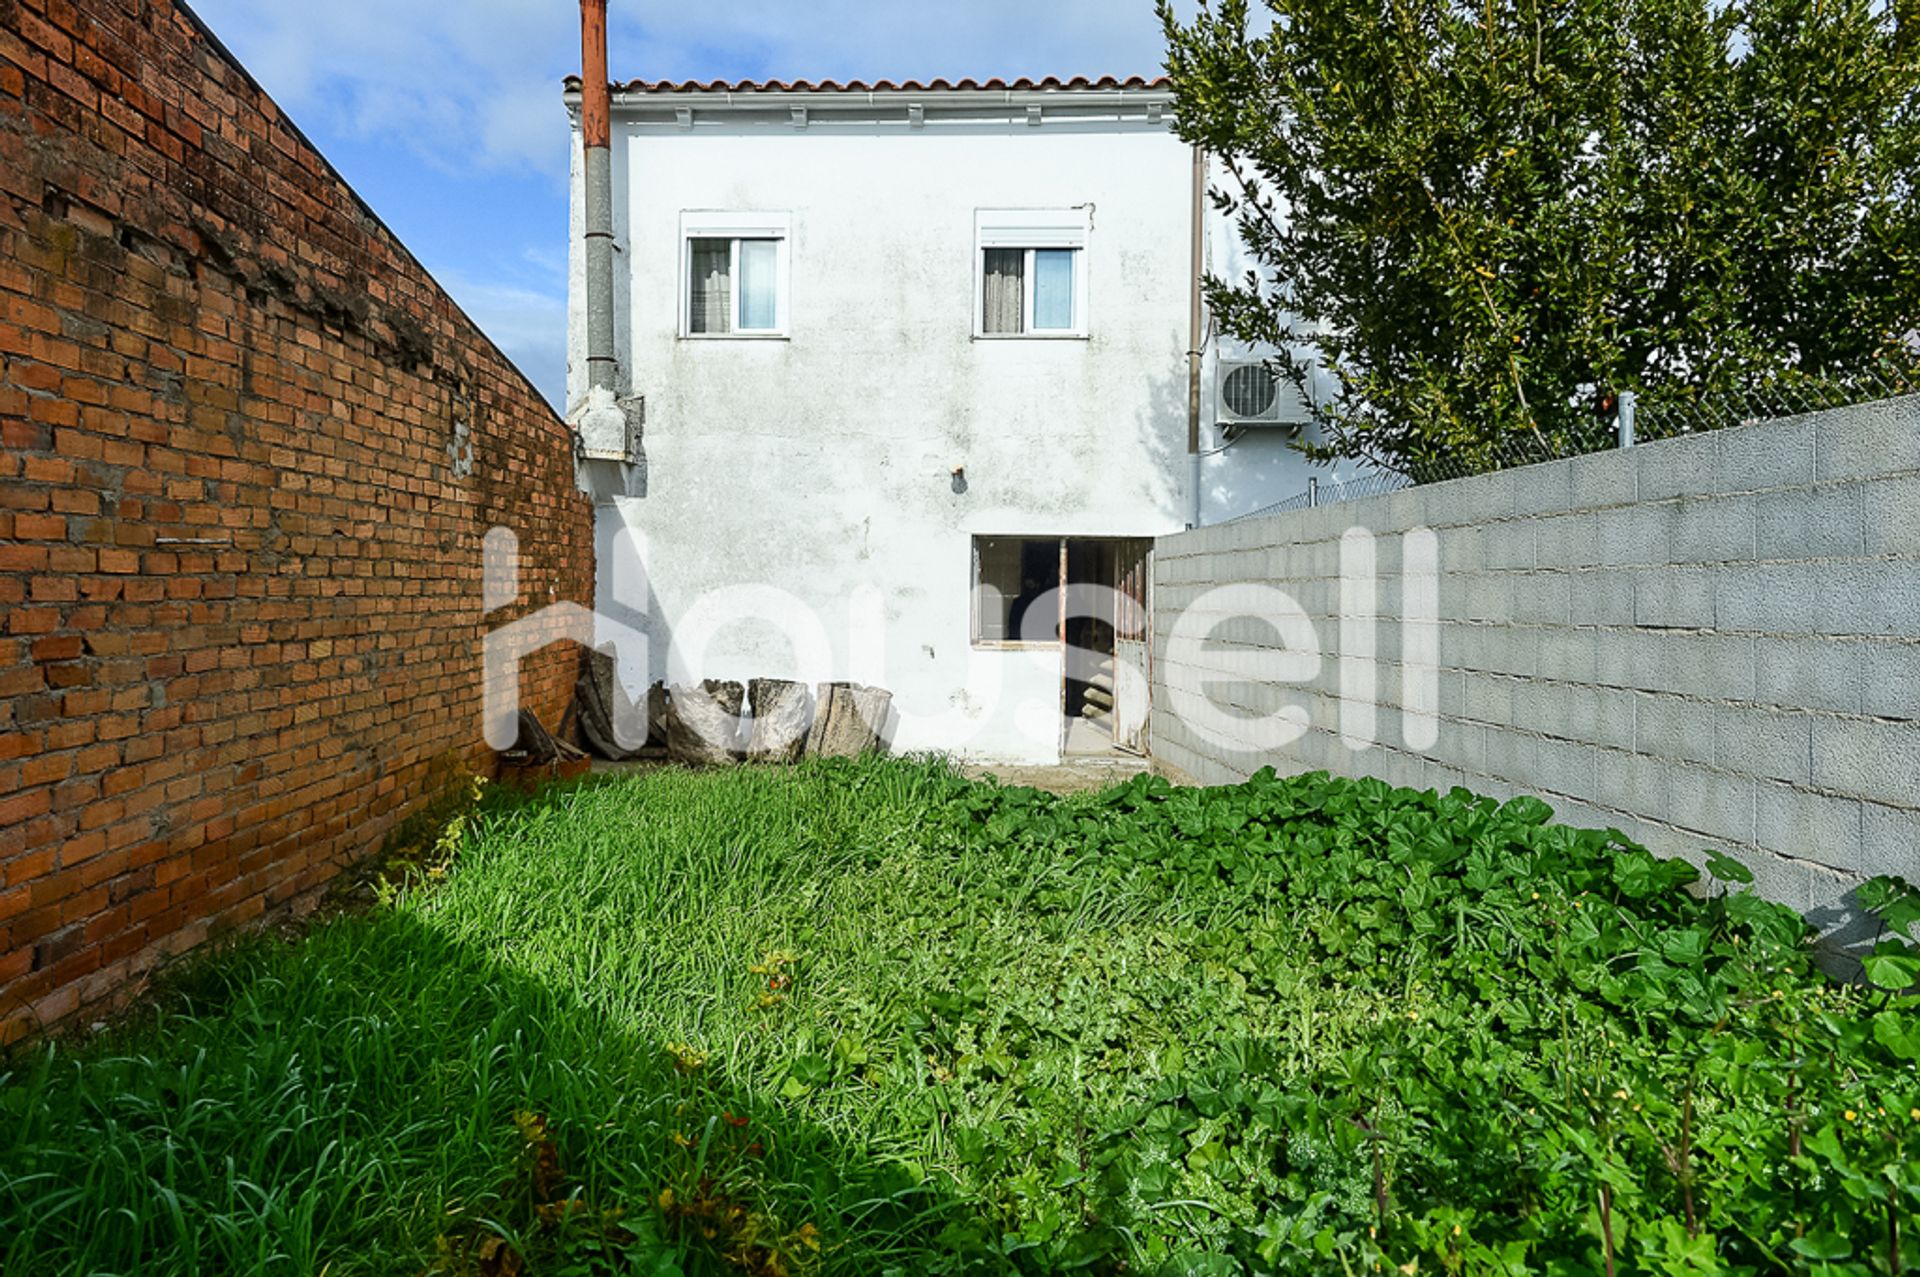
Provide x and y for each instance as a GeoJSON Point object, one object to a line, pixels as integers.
{"type": "Point", "coordinates": [809, 479]}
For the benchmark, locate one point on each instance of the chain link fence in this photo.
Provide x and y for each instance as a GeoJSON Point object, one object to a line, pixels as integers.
{"type": "Point", "coordinates": [1666, 414]}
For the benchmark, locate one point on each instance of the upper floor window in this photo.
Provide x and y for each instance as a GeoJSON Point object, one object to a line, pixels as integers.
{"type": "Point", "coordinates": [1031, 273]}
{"type": "Point", "coordinates": [735, 272]}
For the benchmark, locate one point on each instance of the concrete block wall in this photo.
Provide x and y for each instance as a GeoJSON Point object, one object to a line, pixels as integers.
{"type": "Point", "coordinates": [251, 453]}
{"type": "Point", "coordinates": [1707, 643]}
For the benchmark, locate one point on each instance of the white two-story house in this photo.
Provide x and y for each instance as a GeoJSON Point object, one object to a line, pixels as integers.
{"type": "Point", "coordinates": [912, 356]}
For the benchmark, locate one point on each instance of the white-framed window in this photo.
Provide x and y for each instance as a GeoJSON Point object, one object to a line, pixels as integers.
{"type": "Point", "coordinates": [1030, 272]}
{"type": "Point", "coordinates": [735, 272]}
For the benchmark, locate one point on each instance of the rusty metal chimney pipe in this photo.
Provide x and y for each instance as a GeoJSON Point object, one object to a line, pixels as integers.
{"type": "Point", "coordinates": [596, 134]}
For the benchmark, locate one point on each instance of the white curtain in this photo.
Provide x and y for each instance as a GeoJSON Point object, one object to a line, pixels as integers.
{"type": "Point", "coordinates": [1005, 290]}
{"type": "Point", "coordinates": [710, 304]}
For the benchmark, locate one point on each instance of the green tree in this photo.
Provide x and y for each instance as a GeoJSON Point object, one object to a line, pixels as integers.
{"type": "Point", "coordinates": [1484, 220]}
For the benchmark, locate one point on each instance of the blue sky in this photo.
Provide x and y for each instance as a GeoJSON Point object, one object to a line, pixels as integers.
{"type": "Point", "coordinates": [445, 114]}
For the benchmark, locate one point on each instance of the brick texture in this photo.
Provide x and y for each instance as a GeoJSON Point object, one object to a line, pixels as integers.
{"type": "Point", "coordinates": [1706, 643]}
{"type": "Point", "coordinates": [251, 449]}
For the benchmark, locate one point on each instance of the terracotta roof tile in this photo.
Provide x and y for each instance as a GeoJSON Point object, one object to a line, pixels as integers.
{"type": "Point", "coordinates": [882, 86]}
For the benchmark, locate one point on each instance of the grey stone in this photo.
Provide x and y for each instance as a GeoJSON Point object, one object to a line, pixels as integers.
{"type": "Point", "coordinates": [1603, 479]}
{"type": "Point", "coordinates": [1772, 454]}
{"type": "Point", "coordinates": [1889, 841]}
{"type": "Point", "coordinates": [1713, 530]}
{"type": "Point", "coordinates": [1889, 675]}
{"type": "Point", "coordinates": [1673, 467]}
{"type": "Point", "coordinates": [1868, 758]}
{"type": "Point", "coordinates": [1810, 673]}
{"type": "Point", "coordinates": [1811, 523]}
{"type": "Point", "coordinates": [1892, 516]}
{"type": "Point", "coordinates": [1673, 598]}
{"type": "Point", "coordinates": [1773, 598]}
{"type": "Point", "coordinates": [1809, 826]}
{"type": "Point", "coordinates": [1541, 598]}
{"type": "Point", "coordinates": [1771, 744]}
{"type": "Point", "coordinates": [1631, 782]}
{"type": "Point", "coordinates": [1601, 596]}
{"type": "Point", "coordinates": [1572, 656]}
{"type": "Point", "coordinates": [1566, 540]}
{"type": "Point", "coordinates": [1869, 441]}
{"type": "Point", "coordinates": [1666, 727]}
{"type": "Point", "coordinates": [1715, 803]}
{"type": "Point", "coordinates": [1543, 489]}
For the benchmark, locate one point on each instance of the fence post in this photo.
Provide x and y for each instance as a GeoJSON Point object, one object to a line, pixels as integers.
{"type": "Point", "coordinates": [1313, 491]}
{"type": "Point", "coordinates": [1623, 418]}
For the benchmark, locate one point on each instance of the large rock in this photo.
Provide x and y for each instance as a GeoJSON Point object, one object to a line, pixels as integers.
{"type": "Point", "coordinates": [609, 721]}
{"type": "Point", "coordinates": [782, 715]}
{"type": "Point", "coordinates": [848, 720]}
{"type": "Point", "coordinates": [703, 723]}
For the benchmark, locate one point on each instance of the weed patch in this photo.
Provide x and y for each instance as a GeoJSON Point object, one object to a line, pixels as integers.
{"type": "Point", "coordinates": [874, 1019]}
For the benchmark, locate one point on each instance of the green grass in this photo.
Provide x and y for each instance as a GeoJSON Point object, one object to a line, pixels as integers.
{"type": "Point", "coordinates": [872, 1019]}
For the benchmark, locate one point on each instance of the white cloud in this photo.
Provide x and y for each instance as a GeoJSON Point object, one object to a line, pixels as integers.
{"type": "Point", "coordinates": [472, 87]}
{"type": "Point", "coordinates": [476, 83]}
{"type": "Point", "coordinates": [529, 325]}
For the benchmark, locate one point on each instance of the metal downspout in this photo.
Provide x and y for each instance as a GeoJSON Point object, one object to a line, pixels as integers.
{"type": "Point", "coordinates": [1197, 338]}
{"type": "Point", "coordinates": [597, 136]}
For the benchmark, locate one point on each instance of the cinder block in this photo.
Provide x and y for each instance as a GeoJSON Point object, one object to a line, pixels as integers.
{"type": "Point", "coordinates": [1538, 762]}
{"type": "Point", "coordinates": [1601, 596]}
{"type": "Point", "coordinates": [1632, 535]}
{"type": "Point", "coordinates": [1473, 500]}
{"type": "Point", "coordinates": [1812, 673]}
{"type": "Point", "coordinates": [1811, 523]}
{"type": "Point", "coordinates": [1891, 516]}
{"type": "Point", "coordinates": [1480, 596]}
{"type": "Point", "coordinates": [1772, 454]}
{"type": "Point", "coordinates": [1889, 675]}
{"type": "Point", "coordinates": [1461, 745]}
{"type": "Point", "coordinates": [1809, 826]}
{"type": "Point", "coordinates": [1772, 598]}
{"type": "Point", "coordinates": [1666, 727]}
{"type": "Point", "coordinates": [1566, 540]}
{"type": "Point", "coordinates": [1713, 530]}
{"type": "Point", "coordinates": [1489, 699]}
{"type": "Point", "coordinates": [1673, 598]}
{"type": "Point", "coordinates": [1601, 479]}
{"type": "Point", "coordinates": [1543, 489]}
{"type": "Point", "coordinates": [1868, 441]}
{"type": "Point", "coordinates": [1542, 598]}
{"type": "Point", "coordinates": [1886, 594]}
{"type": "Point", "coordinates": [1675, 467]}
{"type": "Point", "coordinates": [1770, 744]}
{"type": "Point", "coordinates": [1631, 782]}
{"type": "Point", "coordinates": [1508, 544]}
{"type": "Point", "coordinates": [1601, 715]}
{"type": "Point", "coordinates": [1867, 758]}
{"type": "Point", "coordinates": [1461, 550]}
{"type": "Point", "coordinates": [1889, 842]}
{"type": "Point", "coordinates": [1712, 666]}
{"type": "Point", "coordinates": [1715, 803]}
{"type": "Point", "coordinates": [1568, 655]}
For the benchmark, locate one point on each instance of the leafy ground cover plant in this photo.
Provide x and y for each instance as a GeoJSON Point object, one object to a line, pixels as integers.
{"type": "Point", "coordinates": [872, 1018]}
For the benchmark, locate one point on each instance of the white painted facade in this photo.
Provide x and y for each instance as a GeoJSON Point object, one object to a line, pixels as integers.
{"type": "Point", "coordinates": [801, 514]}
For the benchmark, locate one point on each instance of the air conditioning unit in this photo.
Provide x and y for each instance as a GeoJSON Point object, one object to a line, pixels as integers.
{"type": "Point", "coordinates": [1250, 393]}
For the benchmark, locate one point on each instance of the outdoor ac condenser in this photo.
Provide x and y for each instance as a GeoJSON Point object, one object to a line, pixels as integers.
{"type": "Point", "coordinates": [1250, 393]}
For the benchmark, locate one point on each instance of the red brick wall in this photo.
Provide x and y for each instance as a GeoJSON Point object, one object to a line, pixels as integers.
{"type": "Point", "coordinates": [240, 607]}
